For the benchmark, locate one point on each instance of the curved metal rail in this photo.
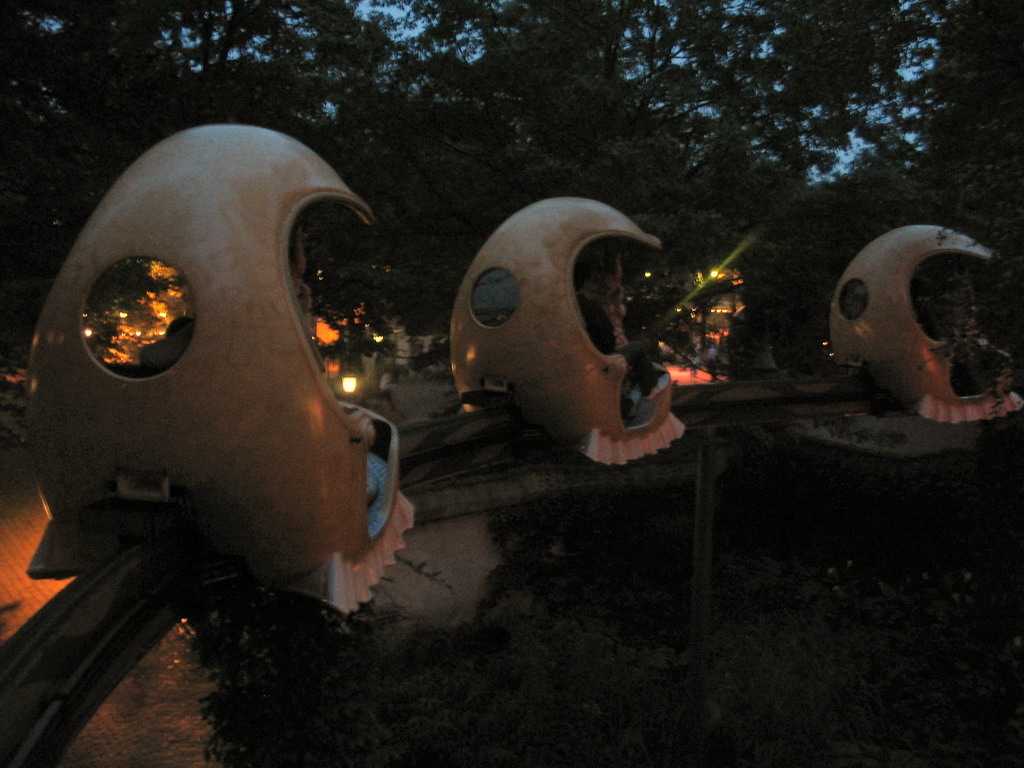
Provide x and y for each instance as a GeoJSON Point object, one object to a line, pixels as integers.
{"type": "Point", "coordinates": [469, 442]}
{"type": "Point", "coordinates": [64, 662]}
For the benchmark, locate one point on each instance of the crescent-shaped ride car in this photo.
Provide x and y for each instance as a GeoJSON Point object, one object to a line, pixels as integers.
{"type": "Point", "coordinates": [225, 410]}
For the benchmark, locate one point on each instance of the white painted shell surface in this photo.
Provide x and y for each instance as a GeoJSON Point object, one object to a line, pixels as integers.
{"type": "Point", "coordinates": [275, 468]}
{"type": "Point", "coordinates": [886, 336]}
{"type": "Point", "coordinates": [559, 378]}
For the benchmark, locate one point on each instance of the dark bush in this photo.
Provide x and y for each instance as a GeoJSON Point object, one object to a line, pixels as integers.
{"type": "Point", "coordinates": [867, 612]}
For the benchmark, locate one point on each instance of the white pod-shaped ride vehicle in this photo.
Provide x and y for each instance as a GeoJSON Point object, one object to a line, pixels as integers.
{"type": "Point", "coordinates": [518, 326]}
{"type": "Point", "coordinates": [227, 406]}
{"type": "Point", "coordinates": [880, 319]}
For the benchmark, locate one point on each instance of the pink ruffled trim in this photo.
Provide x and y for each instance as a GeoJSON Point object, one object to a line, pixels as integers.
{"type": "Point", "coordinates": [348, 583]}
{"type": "Point", "coordinates": [608, 450]}
{"type": "Point", "coordinates": [968, 409]}
{"type": "Point", "coordinates": [345, 584]}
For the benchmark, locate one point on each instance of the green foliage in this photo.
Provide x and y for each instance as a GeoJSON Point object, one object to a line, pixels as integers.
{"type": "Point", "coordinates": [705, 122]}
{"type": "Point", "coordinates": [910, 583]}
{"type": "Point", "coordinates": [700, 120]}
{"type": "Point", "coordinates": [970, 117]}
{"type": "Point", "coordinates": [141, 72]}
{"type": "Point", "coordinates": [593, 556]}
{"type": "Point", "coordinates": [22, 301]}
{"type": "Point", "coordinates": [294, 681]}
{"type": "Point", "coordinates": [920, 669]}
{"type": "Point", "coordinates": [522, 687]}
{"type": "Point", "coordinates": [12, 406]}
{"type": "Point", "coordinates": [866, 613]}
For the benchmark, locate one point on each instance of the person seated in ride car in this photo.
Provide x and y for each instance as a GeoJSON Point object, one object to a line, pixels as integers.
{"type": "Point", "coordinates": [598, 281]}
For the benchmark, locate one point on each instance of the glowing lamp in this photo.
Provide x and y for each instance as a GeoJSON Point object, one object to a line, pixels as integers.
{"type": "Point", "coordinates": [349, 384]}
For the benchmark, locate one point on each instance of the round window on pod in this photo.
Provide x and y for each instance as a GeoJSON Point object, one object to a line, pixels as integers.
{"type": "Point", "coordinates": [904, 310]}
{"type": "Point", "coordinates": [540, 316]}
{"type": "Point", "coordinates": [139, 317]}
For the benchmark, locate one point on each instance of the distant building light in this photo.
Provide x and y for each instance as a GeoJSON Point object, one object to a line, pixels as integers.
{"type": "Point", "coordinates": [325, 333]}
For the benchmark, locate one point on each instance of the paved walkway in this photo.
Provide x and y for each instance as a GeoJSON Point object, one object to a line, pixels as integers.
{"type": "Point", "coordinates": [22, 522]}
{"type": "Point", "coordinates": [419, 399]}
{"type": "Point", "coordinates": [153, 717]}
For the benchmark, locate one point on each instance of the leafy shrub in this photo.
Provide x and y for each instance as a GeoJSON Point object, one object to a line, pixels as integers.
{"type": "Point", "coordinates": [525, 688]}
{"type": "Point", "coordinates": [866, 614]}
{"type": "Point", "coordinates": [295, 683]}
{"type": "Point", "coordinates": [910, 571]}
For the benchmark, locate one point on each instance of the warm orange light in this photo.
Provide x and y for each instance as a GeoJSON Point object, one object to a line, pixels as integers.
{"type": "Point", "coordinates": [326, 333]}
{"type": "Point", "coordinates": [349, 384]}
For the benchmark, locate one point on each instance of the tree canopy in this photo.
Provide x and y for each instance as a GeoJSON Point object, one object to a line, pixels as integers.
{"type": "Point", "coordinates": [802, 128]}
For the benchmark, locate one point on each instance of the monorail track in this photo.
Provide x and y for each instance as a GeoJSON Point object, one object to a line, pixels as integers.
{"type": "Point", "coordinates": [61, 665]}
